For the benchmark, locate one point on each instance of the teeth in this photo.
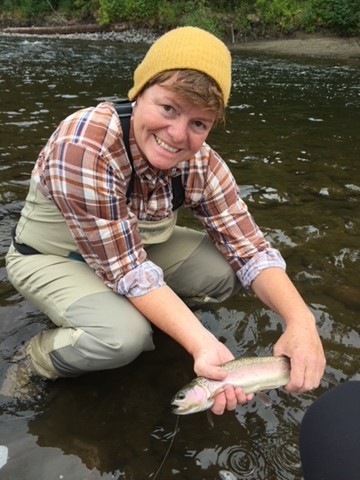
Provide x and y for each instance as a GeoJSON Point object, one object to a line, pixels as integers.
{"type": "Point", "coordinates": [165, 146]}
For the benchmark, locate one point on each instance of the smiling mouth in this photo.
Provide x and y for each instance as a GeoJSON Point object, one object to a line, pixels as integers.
{"type": "Point", "coordinates": [165, 146]}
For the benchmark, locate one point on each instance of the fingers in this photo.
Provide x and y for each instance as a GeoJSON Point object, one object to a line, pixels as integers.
{"type": "Point", "coordinates": [229, 399]}
{"type": "Point", "coordinates": [219, 405]}
{"type": "Point", "coordinates": [307, 358]}
{"type": "Point", "coordinates": [305, 375]}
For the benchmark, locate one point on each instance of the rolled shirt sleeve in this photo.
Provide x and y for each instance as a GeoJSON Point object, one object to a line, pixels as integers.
{"type": "Point", "coordinates": [141, 280]}
{"type": "Point", "coordinates": [217, 204]}
{"type": "Point", "coordinates": [259, 262]}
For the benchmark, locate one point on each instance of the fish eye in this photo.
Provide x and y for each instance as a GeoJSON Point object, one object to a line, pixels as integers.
{"type": "Point", "coordinates": [180, 396]}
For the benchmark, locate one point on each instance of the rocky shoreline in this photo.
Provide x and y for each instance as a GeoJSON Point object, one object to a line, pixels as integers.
{"type": "Point", "coordinates": [86, 32]}
{"type": "Point", "coordinates": [305, 45]}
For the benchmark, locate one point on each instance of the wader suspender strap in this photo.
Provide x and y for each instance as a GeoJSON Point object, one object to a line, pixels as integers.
{"type": "Point", "coordinates": [124, 110]}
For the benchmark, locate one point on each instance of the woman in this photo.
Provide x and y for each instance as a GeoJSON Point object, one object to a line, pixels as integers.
{"type": "Point", "coordinates": [111, 260]}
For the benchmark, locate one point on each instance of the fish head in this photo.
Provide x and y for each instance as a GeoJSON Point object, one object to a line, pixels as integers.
{"type": "Point", "coordinates": [193, 398]}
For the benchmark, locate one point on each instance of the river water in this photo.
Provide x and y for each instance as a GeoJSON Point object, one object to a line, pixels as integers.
{"type": "Point", "coordinates": [292, 140]}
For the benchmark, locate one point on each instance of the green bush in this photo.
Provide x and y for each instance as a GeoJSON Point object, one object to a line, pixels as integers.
{"type": "Point", "coordinates": [244, 21]}
{"type": "Point", "coordinates": [244, 17]}
{"type": "Point", "coordinates": [342, 16]}
{"type": "Point", "coordinates": [140, 9]}
{"type": "Point", "coordinates": [198, 14]}
{"type": "Point", "coordinates": [109, 11]}
{"type": "Point", "coordinates": [279, 15]}
{"type": "Point", "coordinates": [168, 13]}
{"type": "Point", "coordinates": [86, 8]}
{"type": "Point", "coordinates": [133, 10]}
{"type": "Point", "coordinates": [35, 8]}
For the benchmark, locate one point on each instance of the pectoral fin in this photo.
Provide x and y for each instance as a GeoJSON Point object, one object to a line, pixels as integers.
{"type": "Point", "coordinates": [264, 398]}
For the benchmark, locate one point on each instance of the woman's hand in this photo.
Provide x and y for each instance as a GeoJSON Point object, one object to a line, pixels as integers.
{"type": "Point", "coordinates": [300, 340]}
{"type": "Point", "coordinates": [301, 343]}
{"type": "Point", "coordinates": [158, 306]}
{"type": "Point", "coordinates": [207, 363]}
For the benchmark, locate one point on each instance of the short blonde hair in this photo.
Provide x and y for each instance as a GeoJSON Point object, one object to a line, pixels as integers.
{"type": "Point", "coordinates": [195, 88]}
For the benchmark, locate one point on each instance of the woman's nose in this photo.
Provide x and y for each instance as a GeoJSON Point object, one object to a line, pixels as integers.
{"type": "Point", "coordinates": [178, 130]}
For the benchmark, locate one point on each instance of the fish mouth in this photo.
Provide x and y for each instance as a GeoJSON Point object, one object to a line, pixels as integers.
{"type": "Point", "coordinates": [175, 408]}
{"type": "Point", "coordinates": [184, 409]}
{"type": "Point", "coordinates": [178, 409]}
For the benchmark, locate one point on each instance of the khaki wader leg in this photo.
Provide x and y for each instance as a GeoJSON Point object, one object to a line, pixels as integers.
{"type": "Point", "coordinates": [96, 328]}
{"type": "Point", "coordinates": [194, 268]}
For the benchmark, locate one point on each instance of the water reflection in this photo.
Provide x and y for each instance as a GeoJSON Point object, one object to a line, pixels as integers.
{"type": "Point", "coordinates": [291, 139]}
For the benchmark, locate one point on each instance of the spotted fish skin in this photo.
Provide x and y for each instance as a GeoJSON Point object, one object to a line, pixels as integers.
{"type": "Point", "coordinates": [252, 374]}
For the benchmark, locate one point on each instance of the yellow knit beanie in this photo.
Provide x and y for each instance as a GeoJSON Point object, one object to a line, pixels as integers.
{"type": "Point", "coordinates": [186, 48]}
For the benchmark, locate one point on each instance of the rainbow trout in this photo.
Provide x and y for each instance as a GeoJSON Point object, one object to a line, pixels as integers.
{"type": "Point", "coordinates": [254, 374]}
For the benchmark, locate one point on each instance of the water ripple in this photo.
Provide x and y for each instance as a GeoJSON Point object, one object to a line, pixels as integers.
{"type": "Point", "coordinates": [241, 460]}
{"type": "Point", "coordinates": [238, 459]}
{"type": "Point", "coordinates": [285, 460]}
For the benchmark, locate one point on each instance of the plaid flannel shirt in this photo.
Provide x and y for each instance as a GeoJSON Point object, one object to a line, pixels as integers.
{"type": "Point", "coordinates": [85, 170]}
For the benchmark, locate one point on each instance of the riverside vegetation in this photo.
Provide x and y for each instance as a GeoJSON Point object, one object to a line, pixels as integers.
{"type": "Point", "coordinates": [236, 20]}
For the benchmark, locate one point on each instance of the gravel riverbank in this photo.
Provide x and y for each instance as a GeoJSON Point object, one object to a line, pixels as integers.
{"type": "Point", "coordinates": [319, 46]}
{"type": "Point", "coordinates": [137, 35]}
{"type": "Point", "coordinates": [306, 45]}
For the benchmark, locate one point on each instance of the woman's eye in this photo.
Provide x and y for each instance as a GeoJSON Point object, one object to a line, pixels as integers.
{"type": "Point", "coordinates": [199, 125]}
{"type": "Point", "coordinates": [168, 108]}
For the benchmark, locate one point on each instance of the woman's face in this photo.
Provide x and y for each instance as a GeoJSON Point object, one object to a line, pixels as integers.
{"type": "Point", "coordinates": [167, 129]}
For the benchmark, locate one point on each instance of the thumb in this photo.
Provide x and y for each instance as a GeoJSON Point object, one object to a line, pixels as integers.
{"type": "Point", "coordinates": [215, 372]}
{"type": "Point", "coordinates": [278, 349]}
